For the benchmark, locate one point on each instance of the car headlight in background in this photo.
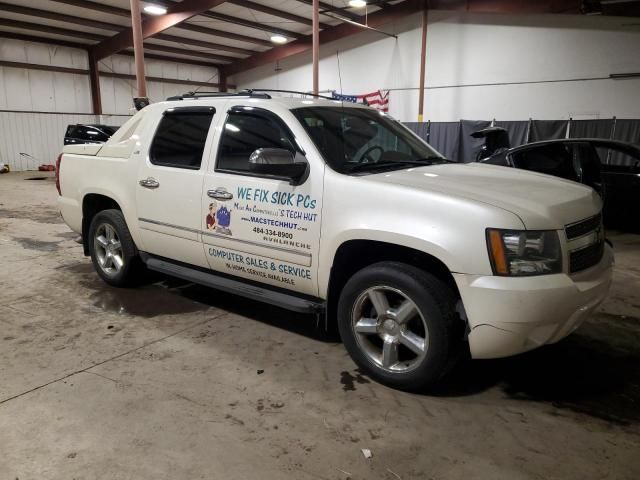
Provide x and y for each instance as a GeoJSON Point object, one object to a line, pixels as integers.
{"type": "Point", "coordinates": [521, 253]}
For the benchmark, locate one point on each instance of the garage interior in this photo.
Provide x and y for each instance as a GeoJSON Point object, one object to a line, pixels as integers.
{"type": "Point", "coordinates": [176, 380]}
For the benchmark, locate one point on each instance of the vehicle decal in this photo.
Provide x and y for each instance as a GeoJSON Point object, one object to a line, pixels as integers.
{"type": "Point", "coordinates": [218, 219]}
{"type": "Point", "coordinates": [227, 237]}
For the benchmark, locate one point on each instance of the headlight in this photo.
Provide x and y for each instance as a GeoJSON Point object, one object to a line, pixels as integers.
{"type": "Point", "coordinates": [521, 253]}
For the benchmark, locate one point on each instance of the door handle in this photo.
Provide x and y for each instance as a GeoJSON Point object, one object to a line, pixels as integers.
{"type": "Point", "coordinates": [220, 193]}
{"type": "Point", "coordinates": [149, 183]}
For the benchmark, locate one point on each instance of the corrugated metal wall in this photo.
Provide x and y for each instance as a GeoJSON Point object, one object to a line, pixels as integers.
{"type": "Point", "coordinates": [28, 139]}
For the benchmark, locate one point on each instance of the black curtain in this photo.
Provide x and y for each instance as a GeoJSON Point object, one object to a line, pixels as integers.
{"type": "Point", "coordinates": [419, 128]}
{"type": "Point", "coordinates": [626, 131]}
{"type": "Point", "coordinates": [517, 129]}
{"type": "Point", "coordinates": [591, 128]}
{"type": "Point", "coordinates": [547, 130]}
{"type": "Point", "coordinates": [445, 137]}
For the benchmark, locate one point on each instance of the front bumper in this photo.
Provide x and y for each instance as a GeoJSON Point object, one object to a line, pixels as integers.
{"type": "Point", "coordinates": [510, 315]}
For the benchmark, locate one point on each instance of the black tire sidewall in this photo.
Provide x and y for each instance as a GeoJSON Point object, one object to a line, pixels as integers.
{"type": "Point", "coordinates": [127, 275]}
{"type": "Point", "coordinates": [434, 299]}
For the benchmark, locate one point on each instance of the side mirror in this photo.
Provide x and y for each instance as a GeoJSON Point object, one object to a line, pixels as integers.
{"type": "Point", "coordinates": [278, 162]}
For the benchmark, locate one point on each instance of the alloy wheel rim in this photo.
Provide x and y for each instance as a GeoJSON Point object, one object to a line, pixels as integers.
{"type": "Point", "coordinates": [390, 329]}
{"type": "Point", "coordinates": [108, 249]}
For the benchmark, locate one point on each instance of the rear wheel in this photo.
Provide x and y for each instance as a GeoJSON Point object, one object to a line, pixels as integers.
{"type": "Point", "coordinates": [113, 252]}
{"type": "Point", "coordinates": [399, 324]}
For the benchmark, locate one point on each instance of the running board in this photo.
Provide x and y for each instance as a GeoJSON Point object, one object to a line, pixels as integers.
{"type": "Point", "coordinates": [279, 299]}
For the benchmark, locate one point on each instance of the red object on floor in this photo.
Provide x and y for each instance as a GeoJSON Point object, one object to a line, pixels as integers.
{"type": "Point", "coordinates": [47, 168]}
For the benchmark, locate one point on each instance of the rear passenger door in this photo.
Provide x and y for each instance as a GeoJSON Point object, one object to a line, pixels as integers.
{"type": "Point", "coordinates": [256, 226]}
{"type": "Point", "coordinates": [169, 184]}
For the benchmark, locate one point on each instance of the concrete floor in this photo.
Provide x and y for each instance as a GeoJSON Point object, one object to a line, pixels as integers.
{"type": "Point", "coordinates": [177, 381]}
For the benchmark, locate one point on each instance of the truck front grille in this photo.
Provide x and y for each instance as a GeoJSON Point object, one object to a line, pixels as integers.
{"type": "Point", "coordinates": [583, 227]}
{"type": "Point", "coordinates": [586, 243]}
{"type": "Point", "coordinates": [586, 257]}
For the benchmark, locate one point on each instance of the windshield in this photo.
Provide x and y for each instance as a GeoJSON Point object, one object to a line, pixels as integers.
{"type": "Point", "coordinates": [359, 140]}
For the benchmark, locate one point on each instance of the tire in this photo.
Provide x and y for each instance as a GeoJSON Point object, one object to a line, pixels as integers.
{"type": "Point", "coordinates": [113, 253]}
{"type": "Point", "coordinates": [425, 334]}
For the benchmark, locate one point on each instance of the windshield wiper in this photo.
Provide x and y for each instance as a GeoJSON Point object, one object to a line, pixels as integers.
{"type": "Point", "coordinates": [423, 162]}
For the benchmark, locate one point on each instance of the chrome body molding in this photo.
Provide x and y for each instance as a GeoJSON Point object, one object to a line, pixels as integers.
{"type": "Point", "coordinates": [305, 255]}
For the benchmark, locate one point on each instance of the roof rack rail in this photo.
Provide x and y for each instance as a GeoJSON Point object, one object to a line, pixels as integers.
{"type": "Point", "coordinates": [272, 90]}
{"type": "Point", "coordinates": [249, 92]}
{"type": "Point", "coordinates": [203, 94]}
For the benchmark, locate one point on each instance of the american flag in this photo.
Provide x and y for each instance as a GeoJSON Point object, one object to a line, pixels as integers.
{"type": "Point", "coordinates": [378, 100]}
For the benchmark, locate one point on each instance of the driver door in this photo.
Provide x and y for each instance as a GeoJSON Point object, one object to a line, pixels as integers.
{"type": "Point", "coordinates": [256, 226]}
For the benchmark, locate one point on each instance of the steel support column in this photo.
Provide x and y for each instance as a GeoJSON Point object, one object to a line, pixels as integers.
{"type": "Point", "coordinates": [423, 61]}
{"type": "Point", "coordinates": [138, 47]}
{"type": "Point", "coordinates": [94, 81]}
{"type": "Point", "coordinates": [222, 80]}
{"type": "Point", "coordinates": [316, 45]}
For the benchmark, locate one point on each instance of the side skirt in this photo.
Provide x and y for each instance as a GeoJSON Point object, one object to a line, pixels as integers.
{"type": "Point", "coordinates": [248, 290]}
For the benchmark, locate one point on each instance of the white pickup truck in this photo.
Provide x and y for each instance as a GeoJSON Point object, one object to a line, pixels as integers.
{"type": "Point", "coordinates": [337, 209]}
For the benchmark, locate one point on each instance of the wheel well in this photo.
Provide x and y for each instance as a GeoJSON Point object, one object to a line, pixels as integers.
{"type": "Point", "coordinates": [355, 255]}
{"type": "Point", "coordinates": [92, 204]}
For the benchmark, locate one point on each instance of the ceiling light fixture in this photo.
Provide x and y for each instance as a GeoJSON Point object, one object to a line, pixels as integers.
{"type": "Point", "coordinates": [278, 39]}
{"type": "Point", "coordinates": [155, 10]}
{"type": "Point", "coordinates": [357, 3]}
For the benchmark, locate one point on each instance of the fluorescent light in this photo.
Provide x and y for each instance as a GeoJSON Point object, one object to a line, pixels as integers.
{"type": "Point", "coordinates": [357, 3]}
{"type": "Point", "coordinates": [278, 39]}
{"type": "Point", "coordinates": [155, 10]}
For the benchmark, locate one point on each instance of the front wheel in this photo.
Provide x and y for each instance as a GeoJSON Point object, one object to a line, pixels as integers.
{"type": "Point", "coordinates": [113, 252]}
{"type": "Point", "coordinates": [399, 324]}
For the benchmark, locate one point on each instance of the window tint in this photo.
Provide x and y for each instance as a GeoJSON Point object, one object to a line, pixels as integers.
{"type": "Point", "coordinates": [245, 131]}
{"type": "Point", "coordinates": [353, 139]}
{"type": "Point", "coordinates": [180, 138]}
{"type": "Point", "coordinates": [554, 159]}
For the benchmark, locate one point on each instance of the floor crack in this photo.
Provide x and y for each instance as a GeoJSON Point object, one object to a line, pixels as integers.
{"type": "Point", "coordinates": [115, 357]}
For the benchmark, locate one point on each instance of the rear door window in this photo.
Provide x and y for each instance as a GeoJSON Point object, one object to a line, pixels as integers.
{"type": "Point", "coordinates": [180, 137]}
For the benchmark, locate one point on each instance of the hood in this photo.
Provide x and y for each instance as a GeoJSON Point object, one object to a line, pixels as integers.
{"type": "Point", "coordinates": [541, 201]}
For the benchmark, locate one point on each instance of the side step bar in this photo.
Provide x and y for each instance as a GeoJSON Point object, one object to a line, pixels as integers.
{"type": "Point", "coordinates": [265, 295]}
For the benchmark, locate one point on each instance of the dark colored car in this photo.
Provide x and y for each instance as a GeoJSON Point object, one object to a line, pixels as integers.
{"type": "Point", "coordinates": [610, 167]}
{"type": "Point", "coordinates": [95, 133]}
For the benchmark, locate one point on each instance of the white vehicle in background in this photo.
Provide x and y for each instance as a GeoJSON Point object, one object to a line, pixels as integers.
{"type": "Point", "coordinates": [336, 209]}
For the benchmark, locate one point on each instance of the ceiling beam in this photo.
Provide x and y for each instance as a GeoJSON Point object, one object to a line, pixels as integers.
{"type": "Point", "coordinates": [151, 26]}
{"type": "Point", "coordinates": [117, 28]}
{"type": "Point", "coordinates": [97, 7]}
{"type": "Point", "coordinates": [329, 7]}
{"type": "Point", "coordinates": [240, 21]}
{"type": "Point", "coordinates": [188, 61]}
{"type": "Point", "coordinates": [203, 44]}
{"type": "Point", "coordinates": [192, 53]}
{"type": "Point", "coordinates": [224, 34]}
{"type": "Point", "coordinates": [92, 36]}
{"type": "Point", "coordinates": [46, 68]}
{"type": "Point", "coordinates": [123, 12]}
{"type": "Point", "coordinates": [51, 41]}
{"type": "Point", "coordinates": [123, 76]}
{"type": "Point", "coordinates": [250, 24]}
{"type": "Point", "coordinates": [83, 46]}
{"type": "Point", "coordinates": [375, 20]}
{"type": "Point", "coordinates": [51, 30]}
{"type": "Point", "coordinates": [35, 12]}
{"type": "Point", "coordinates": [258, 7]}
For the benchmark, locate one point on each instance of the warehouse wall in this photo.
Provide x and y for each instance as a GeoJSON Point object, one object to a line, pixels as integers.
{"type": "Point", "coordinates": [29, 139]}
{"type": "Point", "coordinates": [482, 66]}
{"type": "Point", "coordinates": [36, 106]}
